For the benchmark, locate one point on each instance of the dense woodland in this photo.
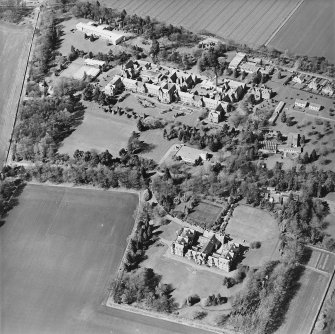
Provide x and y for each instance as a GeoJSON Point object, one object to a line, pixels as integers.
{"type": "Point", "coordinates": [14, 14]}
{"type": "Point", "coordinates": [43, 124]}
{"type": "Point", "coordinates": [46, 45]}
{"type": "Point", "coordinates": [144, 287]}
{"type": "Point", "coordinates": [261, 306]}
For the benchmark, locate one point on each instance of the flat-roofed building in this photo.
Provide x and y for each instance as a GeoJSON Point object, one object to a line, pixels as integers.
{"type": "Point", "coordinates": [300, 103]}
{"type": "Point", "coordinates": [236, 61]}
{"type": "Point", "coordinates": [94, 62]}
{"type": "Point", "coordinates": [277, 111]}
{"type": "Point", "coordinates": [268, 146]}
{"type": "Point", "coordinates": [91, 28]}
{"type": "Point", "coordinates": [250, 67]}
{"type": "Point", "coordinates": [299, 79]}
{"type": "Point", "coordinates": [89, 71]}
{"type": "Point", "coordinates": [313, 85]}
{"type": "Point", "coordinates": [328, 90]}
{"type": "Point", "coordinates": [314, 106]}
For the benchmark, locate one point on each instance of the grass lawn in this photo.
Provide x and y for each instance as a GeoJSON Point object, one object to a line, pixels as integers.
{"type": "Point", "coordinates": [161, 110]}
{"type": "Point", "coordinates": [252, 224]}
{"type": "Point", "coordinates": [287, 163]}
{"type": "Point", "coordinates": [72, 68]}
{"type": "Point", "coordinates": [99, 131]}
{"type": "Point", "coordinates": [14, 48]}
{"type": "Point", "coordinates": [158, 144]}
{"type": "Point", "coordinates": [185, 279]}
{"type": "Point", "coordinates": [60, 247]}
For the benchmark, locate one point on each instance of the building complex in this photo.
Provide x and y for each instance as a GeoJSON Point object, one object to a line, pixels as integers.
{"type": "Point", "coordinates": [211, 249]}
{"type": "Point", "coordinates": [102, 31]}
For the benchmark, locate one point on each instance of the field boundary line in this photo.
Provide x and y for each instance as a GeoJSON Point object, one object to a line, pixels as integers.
{"type": "Point", "coordinates": [281, 25]}
{"type": "Point", "coordinates": [25, 77]}
{"type": "Point", "coordinates": [156, 315]}
{"type": "Point", "coordinates": [320, 249]}
{"type": "Point", "coordinates": [322, 301]}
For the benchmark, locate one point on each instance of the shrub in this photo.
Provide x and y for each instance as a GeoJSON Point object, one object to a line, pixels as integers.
{"type": "Point", "coordinates": [198, 315]}
{"type": "Point", "coordinates": [229, 282]}
{"type": "Point", "coordinates": [193, 299]}
{"type": "Point", "coordinates": [255, 244]}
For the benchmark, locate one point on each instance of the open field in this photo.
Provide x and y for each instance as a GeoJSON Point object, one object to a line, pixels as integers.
{"type": "Point", "coordinates": [159, 145]}
{"type": "Point", "coordinates": [310, 30]}
{"type": "Point", "coordinates": [185, 276]}
{"type": "Point", "coordinates": [252, 224]}
{"type": "Point", "coordinates": [250, 22]}
{"type": "Point", "coordinates": [305, 303]}
{"type": "Point", "coordinates": [99, 131]}
{"type": "Point", "coordinates": [312, 287]}
{"type": "Point", "coordinates": [60, 247]}
{"type": "Point", "coordinates": [14, 49]}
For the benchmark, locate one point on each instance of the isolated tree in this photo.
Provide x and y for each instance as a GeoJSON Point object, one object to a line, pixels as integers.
{"type": "Point", "coordinates": [303, 140]}
{"type": "Point", "coordinates": [140, 126]}
{"type": "Point", "coordinates": [313, 156]}
{"type": "Point", "coordinates": [154, 50]}
{"type": "Point", "coordinates": [305, 158]}
{"type": "Point", "coordinates": [283, 117]}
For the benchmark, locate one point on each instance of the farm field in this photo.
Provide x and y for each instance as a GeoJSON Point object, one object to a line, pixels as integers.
{"type": "Point", "coordinates": [250, 22]}
{"type": "Point", "coordinates": [305, 303]}
{"type": "Point", "coordinates": [310, 30]}
{"type": "Point", "coordinates": [14, 48]}
{"type": "Point", "coordinates": [99, 131]}
{"type": "Point", "coordinates": [60, 247]}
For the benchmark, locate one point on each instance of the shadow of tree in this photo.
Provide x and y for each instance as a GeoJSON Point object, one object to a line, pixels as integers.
{"type": "Point", "coordinates": [11, 197]}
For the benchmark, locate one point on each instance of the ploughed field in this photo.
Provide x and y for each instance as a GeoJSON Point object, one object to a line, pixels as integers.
{"type": "Point", "coordinates": [310, 30]}
{"type": "Point", "coordinates": [245, 21]}
{"type": "Point", "coordinates": [59, 249]}
{"type": "Point", "coordinates": [14, 48]}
